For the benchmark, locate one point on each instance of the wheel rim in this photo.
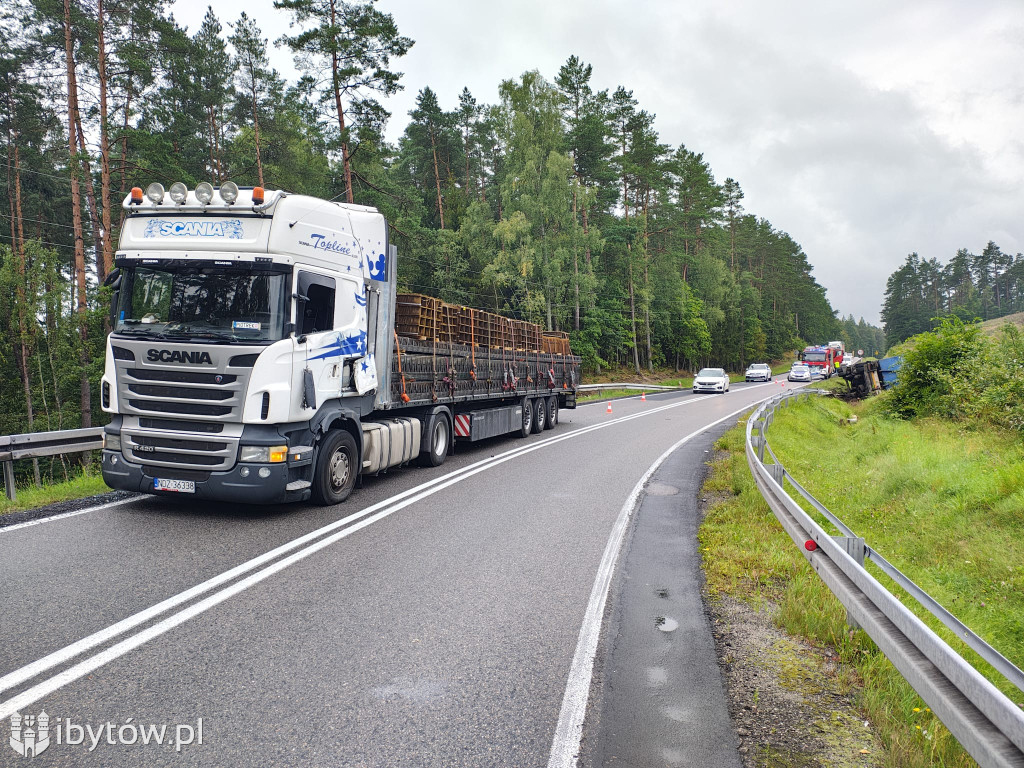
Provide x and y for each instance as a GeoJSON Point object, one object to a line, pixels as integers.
{"type": "Point", "coordinates": [340, 470]}
{"type": "Point", "coordinates": [541, 412]}
{"type": "Point", "coordinates": [527, 417]}
{"type": "Point", "coordinates": [440, 437]}
{"type": "Point", "coordinates": [553, 412]}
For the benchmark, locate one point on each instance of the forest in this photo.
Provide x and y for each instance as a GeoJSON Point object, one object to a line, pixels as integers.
{"type": "Point", "coordinates": [983, 286]}
{"type": "Point", "coordinates": [558, 204]}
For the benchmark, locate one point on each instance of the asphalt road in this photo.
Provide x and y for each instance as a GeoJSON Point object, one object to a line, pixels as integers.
{"type": "Point", "coordinates": [440, 617]}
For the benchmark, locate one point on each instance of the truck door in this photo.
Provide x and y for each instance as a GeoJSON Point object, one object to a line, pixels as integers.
{"type": "Point", "coordinates": [314, 324]}
{"type": "Point", "coordinates": [333, 323]}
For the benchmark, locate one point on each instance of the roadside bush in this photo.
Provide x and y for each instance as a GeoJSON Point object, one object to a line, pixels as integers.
{"type": "Point", "coordinates": [932, 373]}
{"type": "Point", "coordinates": [957, 372]}
{"type": "Point", "coordinates": [991, 387]}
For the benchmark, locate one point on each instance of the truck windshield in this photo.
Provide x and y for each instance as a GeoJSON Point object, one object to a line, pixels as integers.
{"type": "Point", "coordinates": [205, 302]}
{"type": "Point", "coordinates": [816, 357]}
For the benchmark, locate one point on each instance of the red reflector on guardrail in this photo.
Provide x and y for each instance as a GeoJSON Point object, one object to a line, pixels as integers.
{"type": "Point", "coordinates": [810, 545]}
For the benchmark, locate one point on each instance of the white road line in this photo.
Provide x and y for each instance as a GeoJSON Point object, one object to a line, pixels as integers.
{"type": "Point", "coordinates": [382, 509]}
{"type": "Point", "coordinates": [565, 747]}
{"type": "Point", "coordinates": [41, 520]}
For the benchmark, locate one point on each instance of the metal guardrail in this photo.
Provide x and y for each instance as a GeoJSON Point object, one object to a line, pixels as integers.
{"type": "Point", "coordinates": [39, 444]}
{"type": "Point", "coordinates": [985, 722]}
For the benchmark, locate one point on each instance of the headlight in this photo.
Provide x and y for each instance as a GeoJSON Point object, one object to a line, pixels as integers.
{"type": "Point", "coordinates": [273, 454]}
{"type": "Point", "coordinates": [229, 192]}
{"type": "Point", "coordinates": [111, 442]}
{"type": "Point", "coordinates": [178, 192]}
{"type": "Point", "coordinates": [155, 192]}
{"type": "Point", "coordinates": [204, 192]}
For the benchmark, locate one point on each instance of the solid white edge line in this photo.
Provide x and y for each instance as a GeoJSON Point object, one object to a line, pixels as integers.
{"type": "Point", "coordinates": [418, 492]}
{"type": "Point", "coordinates": [565, 746]}
{"type": "Point", "coordinates": [8, 528]}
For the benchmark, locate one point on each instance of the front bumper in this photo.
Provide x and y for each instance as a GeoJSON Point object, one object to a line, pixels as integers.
{"type": "Point", "coordinates": [228, 485]}
{"type": "Point", "coordinates": [709, 388]}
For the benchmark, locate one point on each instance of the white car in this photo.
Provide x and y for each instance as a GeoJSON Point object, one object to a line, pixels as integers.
{"type": "Point", "coordinates": [799, 372]}
{"type": "Point", "coordinates": [759, 372]}
{"type": "Point", "coordinates": [711, 380]}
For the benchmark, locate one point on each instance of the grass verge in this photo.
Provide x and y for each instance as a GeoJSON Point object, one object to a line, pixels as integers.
{"type": "Point", "coordinates": [86, 484]}
{"type": "Point", "coordinates": [941, 502]}
{"type": "Point", "coordinates": [606, 394]}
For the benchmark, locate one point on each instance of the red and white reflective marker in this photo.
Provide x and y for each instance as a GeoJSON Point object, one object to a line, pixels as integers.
{"type": "Point", "coordinates": [609, 407]}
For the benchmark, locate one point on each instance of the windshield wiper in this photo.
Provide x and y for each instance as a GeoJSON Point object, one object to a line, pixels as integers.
{"type": "Point", "coordinates": [136, 332]}
{"type": "Point", "coordinates": [188, 333]}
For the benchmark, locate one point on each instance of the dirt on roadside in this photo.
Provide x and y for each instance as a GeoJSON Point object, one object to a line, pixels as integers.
{"type": "Point", "coordinates": [792, 704]}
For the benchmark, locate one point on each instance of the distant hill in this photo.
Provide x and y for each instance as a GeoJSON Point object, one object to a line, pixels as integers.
{"type": "Point", "coordinates": [992, 326]}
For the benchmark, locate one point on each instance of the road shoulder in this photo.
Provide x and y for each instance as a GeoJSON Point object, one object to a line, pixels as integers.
{"type": "Point", "coordinates": [658, 696]}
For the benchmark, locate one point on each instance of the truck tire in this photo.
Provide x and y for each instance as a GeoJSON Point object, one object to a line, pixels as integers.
{"type": "Point", "coordinates": [334, 475]}
{"type": "Point", "coordinates": [438, 441]}
{"type": "Point", "coordinates": [540, 415]}
{"type": "Point", "coordinates": [552, 412]}
{"type": "Point", "coordinates": [527, 426]}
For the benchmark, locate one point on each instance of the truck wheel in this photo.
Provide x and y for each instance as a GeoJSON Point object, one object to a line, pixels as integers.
{"type": "Point", "coordinates": [527, 427]}
{"type": "Point", "coordinates": [336, 468]}
{"type": "Point", "coordinates": [439, 437]}
{"type": "Point", "coordinates": [540, 415]}
{"type": "Point", "coordinates": [552, 412]}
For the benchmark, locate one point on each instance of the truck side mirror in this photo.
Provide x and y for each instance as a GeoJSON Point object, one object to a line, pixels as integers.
{"type": "Point", "coordinates": [301, 300]}
{"type": "Point", "coordinates": [113, 280]}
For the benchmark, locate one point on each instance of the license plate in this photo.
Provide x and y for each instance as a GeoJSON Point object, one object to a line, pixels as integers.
{"type": "Point", "coordinates": [178, 486]}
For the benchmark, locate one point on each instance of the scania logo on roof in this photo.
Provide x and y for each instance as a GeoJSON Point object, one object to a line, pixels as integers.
{"type": "Point", "coordinates": [178, 356]}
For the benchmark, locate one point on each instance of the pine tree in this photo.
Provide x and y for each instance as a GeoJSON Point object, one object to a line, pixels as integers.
{"type": "Point", "coordinates": [355, 42]}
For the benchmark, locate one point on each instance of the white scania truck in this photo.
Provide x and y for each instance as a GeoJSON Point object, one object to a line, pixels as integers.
{"type": "Point", "coordinates": [254, 356]}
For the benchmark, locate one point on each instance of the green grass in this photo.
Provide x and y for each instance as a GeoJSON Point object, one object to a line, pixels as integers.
{"type": "Point", "coordinates": [30, 497]}
{"type": "Point", "coordinates": [607, 394]}
{"type": "Point", "coordinates": [943, 503]}
{"type": "Point", "coordinates": [685, 382]}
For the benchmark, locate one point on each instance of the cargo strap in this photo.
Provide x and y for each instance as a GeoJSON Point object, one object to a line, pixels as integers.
{"type": "Point", "coordinates": [398, 354]}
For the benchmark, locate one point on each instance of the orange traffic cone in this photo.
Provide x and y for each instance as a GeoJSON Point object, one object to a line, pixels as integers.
{"type": "Point", "coordinates": [643, 398]}
{"type": "Point", "coordinates": [609, 407]}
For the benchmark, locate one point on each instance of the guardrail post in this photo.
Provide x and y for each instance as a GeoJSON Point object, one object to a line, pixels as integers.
{"type": "Point", "coordinates": [854, 547]}
{"type": "Point", "coordinates": [777, 471]}
{"type": "Point", "coordinates": [9, 480]}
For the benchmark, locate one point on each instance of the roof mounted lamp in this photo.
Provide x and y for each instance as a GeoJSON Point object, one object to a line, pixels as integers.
{"type": "Point", "coordinates": [229, 192]}
{"type": "Point", "coordinates": [178, 192]}
{"type": "Point", "coordinates": [204, 192]}
{"type": "Point", "coordinates": [155, 193]}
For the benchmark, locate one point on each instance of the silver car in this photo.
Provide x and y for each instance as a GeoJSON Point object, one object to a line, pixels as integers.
{"type": "Point", "coordinates": [799, 372]}
{"type": "Point", "coordinates": [711, 380]}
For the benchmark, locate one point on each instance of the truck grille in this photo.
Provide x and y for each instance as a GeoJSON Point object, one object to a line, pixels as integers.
{"type": "Point", "coordinates": [200, 405]}
{"type": "Point", "coordinates": [162, 450]}
{"type": "Point", "coordinates": [164, 392]}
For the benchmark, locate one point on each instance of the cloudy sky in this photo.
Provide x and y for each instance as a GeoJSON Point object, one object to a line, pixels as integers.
{"type": "Point", "coordinates": [866, 130]}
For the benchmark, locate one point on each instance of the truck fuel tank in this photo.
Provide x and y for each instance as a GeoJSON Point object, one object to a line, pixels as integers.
{"type": "Point", "coordinates": [389, 443]}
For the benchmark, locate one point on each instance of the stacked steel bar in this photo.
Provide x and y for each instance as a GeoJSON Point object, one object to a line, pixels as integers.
{"type": "Point", "coordinates": [430, 372]}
